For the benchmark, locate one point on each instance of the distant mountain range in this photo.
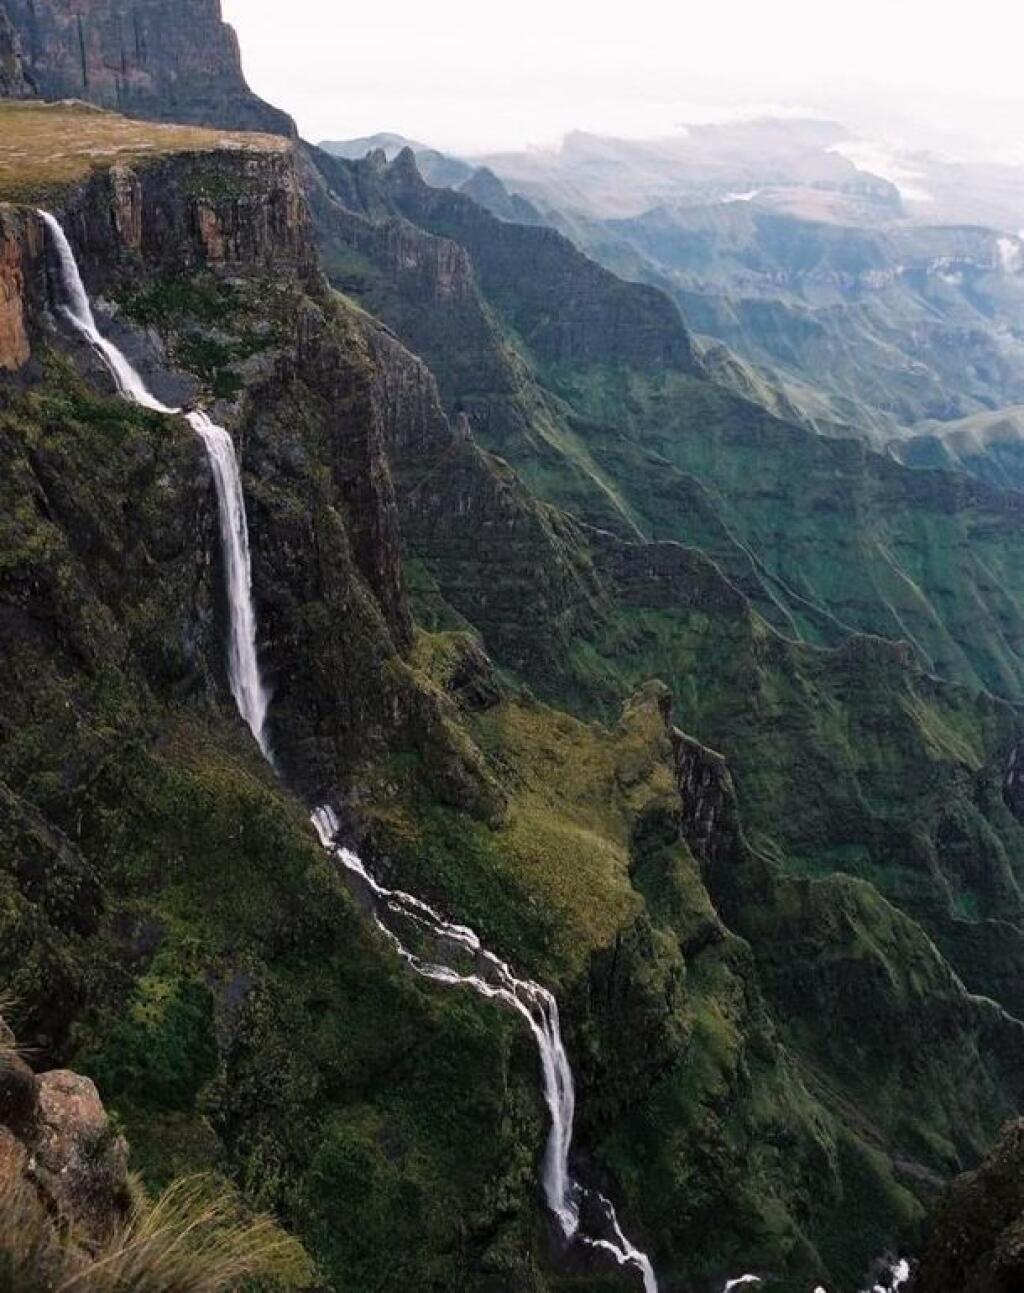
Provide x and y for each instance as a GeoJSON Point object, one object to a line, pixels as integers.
{"type": "Point", "coordinates": [870, 291]}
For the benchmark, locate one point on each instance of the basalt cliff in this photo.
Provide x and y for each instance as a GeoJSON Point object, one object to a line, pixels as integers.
{"type": "Point", "coordinates": [707, 723]}
{"type": "Point", "coordinates": [145, 58]}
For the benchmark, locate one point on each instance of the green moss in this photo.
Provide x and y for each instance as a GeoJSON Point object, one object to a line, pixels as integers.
{"type": "Point", "coordinates": [163, 1050]}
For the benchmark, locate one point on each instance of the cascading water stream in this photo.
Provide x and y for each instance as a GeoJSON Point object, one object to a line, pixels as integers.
{"type": "Point", "coordinates": [490, 977]}
{"type": "Point", "coordinates": [251, 697]}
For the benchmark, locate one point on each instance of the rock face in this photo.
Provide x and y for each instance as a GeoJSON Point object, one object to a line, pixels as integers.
{"type": "Point", "coordinates": [975, 1241]}
{"type": "Point", "coordinates": [57, 1143]}
{"type": "Point", "coordinates": [14, 84]}
{"type": "Point", "coordinates": [145, 58]}
{"type": "Point", "coordinates": [20, 243]}
{"type": "Point", "coordinates": [192, 212]}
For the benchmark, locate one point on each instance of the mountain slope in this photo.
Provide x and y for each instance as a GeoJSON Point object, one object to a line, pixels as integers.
{"type": "Point", "coordinates": [777, 1063]}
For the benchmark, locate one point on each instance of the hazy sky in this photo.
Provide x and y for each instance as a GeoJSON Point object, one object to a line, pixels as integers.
{"type": "Point", "coordinates": [468, 75]}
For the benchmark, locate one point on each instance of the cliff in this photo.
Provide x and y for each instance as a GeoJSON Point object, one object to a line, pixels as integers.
{"type": "Point", "coordinates": [567, 309]}
{"type": "Point", "coordinates": [975, 1241]}
{"type": "Point", "coordinates": [146, 58]}
{"type": "Point", "coordinates": [14, 84]}
{"type": "Point", "coordinates": [789, 973]}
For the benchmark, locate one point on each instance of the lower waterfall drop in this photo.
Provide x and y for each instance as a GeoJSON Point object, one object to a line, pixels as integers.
{"type": "Point", "coordinates": [490, 977]}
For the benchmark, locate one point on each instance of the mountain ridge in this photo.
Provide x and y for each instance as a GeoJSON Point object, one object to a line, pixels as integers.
{"type": "Point", "coordinates": [769, 963]}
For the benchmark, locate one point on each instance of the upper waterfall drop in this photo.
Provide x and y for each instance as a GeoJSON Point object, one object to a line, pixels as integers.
{"type": "Point", "coordinates": [247, 688]}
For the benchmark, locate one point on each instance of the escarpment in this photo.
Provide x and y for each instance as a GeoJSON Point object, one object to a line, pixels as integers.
{"type": "Point", "coordinates": [490, 498]}
{"type": "Point", "coordinates": [145, 58]}
{"type": "Point", "coordinates": [213, 253]}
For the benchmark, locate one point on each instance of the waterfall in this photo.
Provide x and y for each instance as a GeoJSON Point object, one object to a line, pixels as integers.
{"type": "Point", "coordinates": [490, 977]}
{"type": "Point", "coordinates": [247, 688]}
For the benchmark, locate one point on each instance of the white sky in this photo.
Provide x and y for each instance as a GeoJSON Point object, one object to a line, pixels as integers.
{"type": "Point", "coordinates": [475, 75]}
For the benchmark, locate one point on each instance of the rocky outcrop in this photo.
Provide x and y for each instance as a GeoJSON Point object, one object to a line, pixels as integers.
{"type": "Point", "coordinates": [60, 1156]}
{"type": "Point", "coordinates": [975, 1239]}
{"type": "Point", "coordinates": [145, 58]}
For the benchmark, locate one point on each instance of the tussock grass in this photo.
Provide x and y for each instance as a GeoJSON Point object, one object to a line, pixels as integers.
{"type": "Point", "coordinates": [193, 1239]}
{"type": "Point", "coordinates": [9, 1048]}
{"type": "Point", "coordinates": [31, 1259]}
{"type": "Point", "coordinates": [45, 147]}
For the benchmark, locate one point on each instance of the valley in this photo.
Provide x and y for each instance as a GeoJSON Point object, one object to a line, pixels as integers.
{"type": "Point", "coordinates": [508, 761]}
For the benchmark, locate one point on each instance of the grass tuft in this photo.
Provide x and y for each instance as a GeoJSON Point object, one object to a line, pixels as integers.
{"type": "Point", "coordinates": [193, 1239]}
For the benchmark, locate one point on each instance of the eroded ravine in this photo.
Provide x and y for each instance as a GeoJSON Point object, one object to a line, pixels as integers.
{"type": "Point", "coordinates": [583, 1216]}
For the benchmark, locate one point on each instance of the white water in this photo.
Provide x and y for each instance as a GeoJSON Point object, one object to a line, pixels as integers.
{"type": "Point", "coordinates": [493, 978]}
{"type": "Point", "coordinates": [899, 1275]}
{"type": "Point", "coordinates": [251, 697]}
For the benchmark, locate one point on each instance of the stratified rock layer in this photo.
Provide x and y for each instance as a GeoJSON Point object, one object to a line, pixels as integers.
{"type": "Point", "coordinates": [146, 58]}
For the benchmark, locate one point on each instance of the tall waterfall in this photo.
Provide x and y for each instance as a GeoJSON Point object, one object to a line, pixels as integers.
{"type": "Point", "coordinates": [491, 977]}
{"type": "Point", "coordinates": [572, 1205]}
{"type": "Point", "coordinates": [251, 697]}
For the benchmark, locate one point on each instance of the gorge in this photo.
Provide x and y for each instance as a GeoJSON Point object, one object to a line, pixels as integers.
{"type": "Point", "coordinates": [565, 1196]}
{"type": "Point", "coordinates": [704, 720]}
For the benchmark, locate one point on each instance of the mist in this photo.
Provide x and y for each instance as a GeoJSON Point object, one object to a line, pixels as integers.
{"type": "Point", "coordinates": [471, 79]}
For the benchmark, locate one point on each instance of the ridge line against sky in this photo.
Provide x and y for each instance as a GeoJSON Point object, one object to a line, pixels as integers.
{"type": "Point", "coordinates": [468, 78]}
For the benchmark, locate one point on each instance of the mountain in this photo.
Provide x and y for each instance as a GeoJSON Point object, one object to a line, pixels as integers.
{"type": "Point", "coordinates": [870, 304]}
{"type": "Point", "coordinates": [893, 326]}
{"type": "Point", "coordinates": [988, 445]}
{"type": "Point", "coordinates": [791, 160]}
{"type": "Point", "coordinates": [145, 58]}
{"type": "Point", "coordinates": [386, 141]}
{"type": "Point", "coordinates": [705, 722]}
{"type": "Point", "coordinates": [443, 171]}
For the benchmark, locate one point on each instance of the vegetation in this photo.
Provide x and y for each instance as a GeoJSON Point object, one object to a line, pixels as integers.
{"type": "Point", "coordinates": [762, 979]}
{"type": "Point", "coordinates": [193, 1239]}
{"type": "Point", "coordinates": [46, 148]}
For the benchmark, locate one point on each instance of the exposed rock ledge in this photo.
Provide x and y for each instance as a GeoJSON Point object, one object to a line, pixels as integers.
{"type": "Point", "coordinates": [60, 1157]}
